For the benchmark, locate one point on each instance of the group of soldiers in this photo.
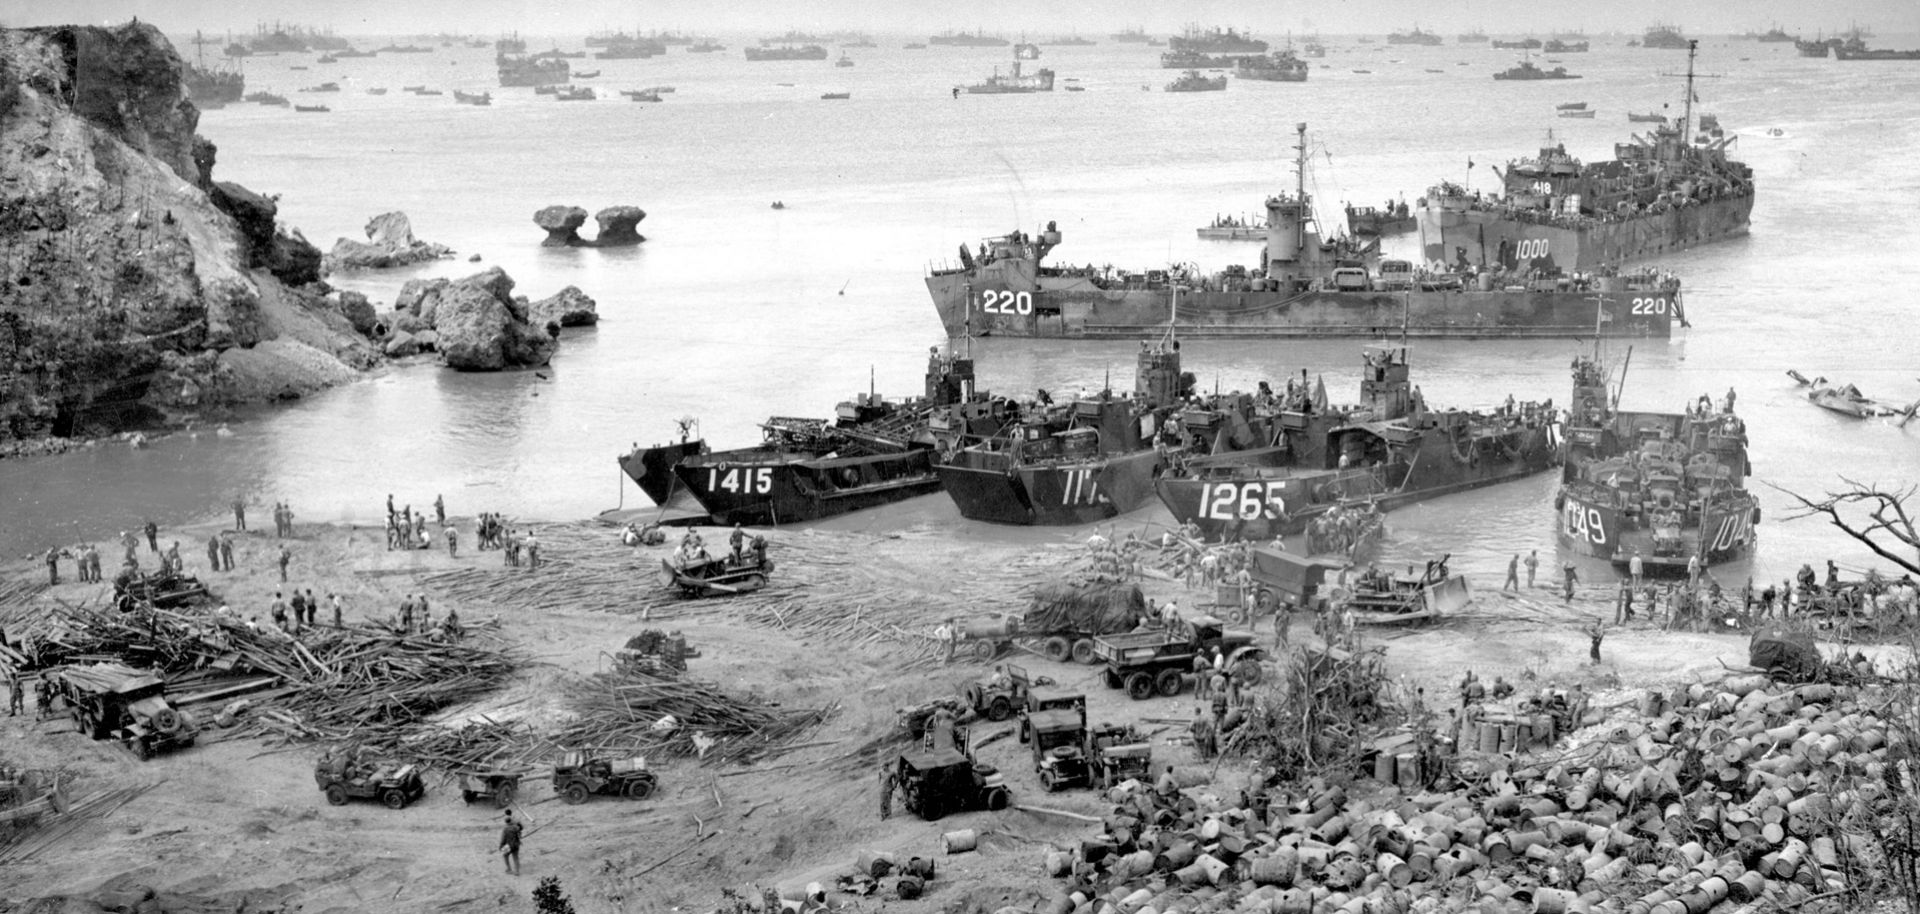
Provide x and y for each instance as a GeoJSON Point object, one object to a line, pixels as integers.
{"type": "Point", "coordinates": [1341, 529]}
{"type": "Point", "coordinates": [407, 530]}
{"type": "Point", "coordinates": [1223, 700]}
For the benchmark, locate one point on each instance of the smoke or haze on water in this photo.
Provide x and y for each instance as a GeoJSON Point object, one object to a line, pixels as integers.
{"type": "Point", "coordinates": [1002, 16]}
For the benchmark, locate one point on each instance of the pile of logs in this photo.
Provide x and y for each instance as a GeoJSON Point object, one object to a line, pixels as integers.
{"type": "Point", "coordinates": [1760, 795]}
{"type": "Point", "coordinates": [625, 710]}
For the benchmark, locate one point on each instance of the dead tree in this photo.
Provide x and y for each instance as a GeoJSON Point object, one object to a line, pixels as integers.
{"type": "Point", "coordinates": [1876, 517]}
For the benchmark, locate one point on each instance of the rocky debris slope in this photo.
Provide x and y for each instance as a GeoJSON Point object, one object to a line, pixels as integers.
{"type": "Point", "coordinates": [390, 243]}
{"type": "Point", "coordinates": [129, 273]}
{"type": "Point", "coordinates": [616, 226]}
{"type": "Point", "coordinates": [478, 324]}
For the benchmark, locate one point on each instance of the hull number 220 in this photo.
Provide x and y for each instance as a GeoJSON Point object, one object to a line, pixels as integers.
{"type": "Point", "coordinates": [1002, 301]}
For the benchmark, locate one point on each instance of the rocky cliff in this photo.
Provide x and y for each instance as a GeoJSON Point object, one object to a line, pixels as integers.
{"type": "Point", "coordinates": [134, 288]}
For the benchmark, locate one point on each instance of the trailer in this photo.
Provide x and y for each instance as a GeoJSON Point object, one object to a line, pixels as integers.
{"type": "Point", "coordinates": [1061, 621]}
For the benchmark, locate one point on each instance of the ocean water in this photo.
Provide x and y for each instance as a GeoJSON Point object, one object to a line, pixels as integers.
{"type": "Point", "coordinates": [733, 311]}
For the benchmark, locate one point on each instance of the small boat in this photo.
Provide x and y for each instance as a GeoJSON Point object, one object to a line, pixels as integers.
{"type": "Point", "coordinates": [1430, 70]}
{"type": "Point", "coordinates": [312, 109]}
{"type": "Point", "coordinates": [1074, 88]}
{"type": "Point", "coordinates": [587, 74]}
{"type": "Point", "coordinates": [465, 98]}
{"type": "Point", "coordinates": [1847, 400]}
{"type": "Point", "coordinates": [546, 90]}
{"type": "Point", "coordinates": [380, 91]}
{"type": "Point", "coordinates": [323, 87]}
{"type": "Point", "coordinates": [1646, 118]}
{"type": "Point", "coordinates": [844, 60]}
{"type": "Point", "coordinates": [664, 90]}
{"type": "Point", "coordinates": [1586, 114]}
{"type": "Point", "coordinates": [574, 94]}
{"type": "Point", "coordinates": [1363, 71]}
{"type": "Point", "coordinates": [836, 95]}
{"type": "Point", "coordinates": [326, 58]}
{"type": "Point", "coordinates": [426, 92]}
{"type": "Point", "coordinates": [1571, 106]}
{"type": "Point", "coordinates": [643, 95]}
{"type": "Point", "coordinates": [296, 68]}
{"type": "Point", "coordinates": [412, 88]}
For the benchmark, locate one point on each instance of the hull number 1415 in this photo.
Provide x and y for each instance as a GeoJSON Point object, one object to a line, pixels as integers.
{"type": "Point", "coordinates": [741, 480]}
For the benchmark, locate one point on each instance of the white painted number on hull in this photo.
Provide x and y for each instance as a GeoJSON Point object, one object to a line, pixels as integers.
{"type": "Point", "coordinates": [1242, 500]}
{"type": "Point", "coordinates": [1649, 307]}
{"type": "Point", "coordinates": [1581, 522]}
{"type": "Point", "coordinates": [741, 480]}
{"type": "Point", "coordinates": [1531, 248]}
{"type": "Point", "coordinates": [1735, 529]}
{"type": "Point", "coordinates": [1081, 488]}
{"type": "Point", "coordinates": [1002, 301]}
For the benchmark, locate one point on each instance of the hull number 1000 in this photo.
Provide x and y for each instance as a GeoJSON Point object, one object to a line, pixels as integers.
{"type": "Point", "coordinates": [1002, 301]}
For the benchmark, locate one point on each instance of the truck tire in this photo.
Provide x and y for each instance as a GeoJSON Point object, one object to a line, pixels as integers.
{"type": "Point", "coordinates": [1248, 671]}
{"type": "Point", "coordinates": [1139, 686]}
{"type": "Point", "coordinates": [1057, 649]}
{"type": "Point", "coordinates": [1048, 782]}
{"type": "Point", "coordinates": [142, 749]}
{"type": "Point", "coordinates": [504, 796]}
{"type": "Point", "coordinates": [575, 793]}
{"type": "Point", "coordinates": [166, 720]}
{"type": "Point", "coordinates": [336, 795]}
{"type": "Point", "coordinates": [394, 798]}
{"type": "Point", "coordinates": [1169, 682]}
{"type": "Point", "coordinates": [998, 798]}
{"type": "Point", "coordinates": [639, 788]}
{"type": "Point", "coordinates": [1000, 709]}
{"type": "Point", "coordinates": [1112, 679]}
{"type": "Point", "coordinates": [1083, 651]}
{"type": "Point", "coordinates": [983, 651]}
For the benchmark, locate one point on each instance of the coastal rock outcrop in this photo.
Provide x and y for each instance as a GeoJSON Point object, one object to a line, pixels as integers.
{"type": "Point", "coordinates": [562, 224]}
{"type": "Point", "coordinates": [390, 243]}
{"type": "Point", "coordinates": [616, 226]}
{"type": "Point", "coordinates": [568, 307]}
{"type": "Point", "coordinates": [134, 272]}
{"type": "Point", "coordinates": [476, 323]}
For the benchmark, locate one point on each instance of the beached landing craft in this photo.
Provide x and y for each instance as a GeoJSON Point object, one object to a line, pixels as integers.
{"type": "Point", "coordinates": [1075, 462]}
{"type": "Point", "coordinates": [1667, 486]}
{"type": "Point", "coordinates": [874, 452]}
{"type": "Point", "coordinates": [1388, 450]}
{"type": "Point", "coordinates": [1847, 400]}
{"type": "Point", "coordinates": [1304, 286]}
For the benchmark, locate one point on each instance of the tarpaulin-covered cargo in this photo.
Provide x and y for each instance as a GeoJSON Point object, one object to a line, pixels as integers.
{"type": "Point", "coordinates": [1786, 655]}
{"type": "Point", "coordinates": [1090, 608]}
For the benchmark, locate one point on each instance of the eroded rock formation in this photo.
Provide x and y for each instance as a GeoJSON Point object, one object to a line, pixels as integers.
{"type": "Point", "coordinates": [616, 226]}
{"type": "Point", "coordinates": [562, 224]}
{"type": "Point", "coordinates": [390, 243]}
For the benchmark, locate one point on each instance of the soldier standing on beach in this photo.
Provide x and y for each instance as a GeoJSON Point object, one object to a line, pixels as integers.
{"type": "Point", "coordinates": [152, 531]}
{"type": "Point", "coordinates": [53, 566]}
{"type": "Point", "coordinates": [285, 557]}
{"type": "Point", "coordinates": [226, 553]}
{"type": "Point", "coordinates": [213, 552]}
{"type": "Point", "coordinates": [1513, 573]}
{"type": "Point", "coordinates": [886, 791]}
{"type": "Point", "coordinates": [1595, 632]}
{"type": "Point", "coordinates": [239, 514]}
{"type": "Point", "coordinates": [440, 510]}
{"type": "Point", "coordinates": [1533, 564]}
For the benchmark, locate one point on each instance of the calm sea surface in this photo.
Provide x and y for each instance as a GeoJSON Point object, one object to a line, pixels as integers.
{"type": "Point", "coordinates": [733, 311]}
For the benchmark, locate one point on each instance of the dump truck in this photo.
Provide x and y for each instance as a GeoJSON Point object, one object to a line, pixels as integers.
{"type": "Point", "coordinates": [114, 702]}
{"type": "Point", "coordinates": [1061, 621]}
{"type": "Point", "coordinates": [1157, 660]}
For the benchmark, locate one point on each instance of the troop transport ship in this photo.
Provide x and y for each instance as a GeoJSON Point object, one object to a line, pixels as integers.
{"type": "Point", "coordinates": [1304, 287]}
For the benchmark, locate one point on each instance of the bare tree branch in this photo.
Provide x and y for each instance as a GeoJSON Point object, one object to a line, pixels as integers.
{"type": "Point", "coordinates": [1890, 534]}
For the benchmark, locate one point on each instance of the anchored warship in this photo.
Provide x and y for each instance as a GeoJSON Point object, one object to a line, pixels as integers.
{"type": "Point", "coordinates": [1670, 189]}
{"type": "Point", "coordinates": [1388, 450]}
{"type": "Point", "coordinates": [1304, 286]}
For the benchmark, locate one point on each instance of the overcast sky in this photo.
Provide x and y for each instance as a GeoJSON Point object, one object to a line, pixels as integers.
{"type": "Point", "coordinates": [767, 17]}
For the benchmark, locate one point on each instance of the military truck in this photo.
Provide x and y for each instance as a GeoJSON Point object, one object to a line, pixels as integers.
{"type": "Point", "coordinates": [579, 775]}
{"type": "Point", "coordinates": [1119, 753]}
{"type": "Point", "coordinates": [110, 701]}
{"type": "Point", "coordinates": [1157, 660]}
{"type": "Point", "coordinates": [1059, 740]}
{"type": "Point", "coordinates": [1061, 621]}
{"type": "Point", "coordinates": [934, 782]}
{"type": "Point", "coordinates": [345, 774]}
{"type": "Point", "coordinates": [1039, 700]}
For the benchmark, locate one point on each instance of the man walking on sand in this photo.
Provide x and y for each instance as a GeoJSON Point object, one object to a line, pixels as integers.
{"type": "Point", "coordinates": [285, 557]}
{"type": "Point", "coordinates": [1513, 574]}
{"type": "Point", "coordinates": [510, 844]}
{"type": "Point", "coordinates": [152, 530]}
{"type": "Point", "coordinates": [1533, 564]}
{"type": "Point", "coordinates": [1596, 631]}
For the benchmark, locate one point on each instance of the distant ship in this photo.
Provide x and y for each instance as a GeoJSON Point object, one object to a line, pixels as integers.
{"type": "Point", "coordinates": [1233, 228]}
{"type": "Point", "coordinates": [626, 48]}
{"type": "Point", "coordinates": [1526, 70]}
{"type": "Point", "coordinates": [1280, 66]}
{"type": "Point", "coordinates": [1070, 41]}
{"type": "Point", "coordinates": [519, 70]}
{"type": "Point", "coordinates": [1556, 46]}
{"type": "Point", "coordinates": [1473, 37]}
{"type": "Point", "coordinates": [1014, 83]}
{"type": "Point", "coordinates": [1668, 190]}
{"type": "Point", "coordinates": [1192, 81]}
{"type": "Point", "coordinates": [968, 40]}
{"type": "Point", "coordinates": [1130, 36]}
{"type": "Point", "coordinates": [1665, 37]}
{"type": "Point", "coordinates": [1304, 285]}
{"type": "Point", "coordinates": [1194, 60]}
{"type": "Point", "coordinates": [213, 87]}
{"type": "Point", "coordinates": [1216, 41]}
{"type": "Point", "coordinates": [1299, 456]}
{"type": "Point", "coordinates": [1414, 37]}
{"type": "Point", "coordinates": [788, 52]}
{"type": "Point", "coordinates": [1668, 487]}
{"type": "Point", "coordinates": [1774, 35]}
{"type": "Point", "coordinates": [1518, 44]}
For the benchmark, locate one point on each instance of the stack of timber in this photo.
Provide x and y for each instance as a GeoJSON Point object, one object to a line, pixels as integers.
{"type": "Point", "coordinates": [624, 711]}
{"type": "Point", "coordinates": [1740, 796]}
{"type": "Point", "coordinates": [22, 838]}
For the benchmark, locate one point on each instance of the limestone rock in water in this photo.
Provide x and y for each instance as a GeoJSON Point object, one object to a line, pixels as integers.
{"type": "Point", "coordinates": [403, 344]}
{"type": "Point", "coordinates": [568, 307]}
{"type": "Point", "coordinates": [562, 224]}
{"type": "Point", "coordinates": [390, 243]}
{"type": "Point", "coordinates": [479, 330]}
{"type": "Point", "coordinates": [357, 310]}
{"type": "Point", "coordinates": [617, 226]}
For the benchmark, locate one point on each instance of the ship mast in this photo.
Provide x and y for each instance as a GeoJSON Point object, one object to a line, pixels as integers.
{"type": "Point", "coordinates": [1300, 184]}
{"type": "Point", "coordinates": [1686, 120]}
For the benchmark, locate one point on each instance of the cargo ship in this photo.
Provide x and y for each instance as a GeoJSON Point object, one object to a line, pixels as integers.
{"type": "Point", "coordinates": [1076, 462]}
{"type": "Point", "coordinates": [1414, 37]}
{"type": "Point", "coordinates": [1216, 41]}
{"type": "Point", "coordinates": [1556, 46]}
{"type": "Point", "coordinates": [1130, 36]}
{"type": "Point", "coordinates": [1014, 83]}
{"type": "Point", "coordinates": [1192, 81]}
{"type": "Point", "coordinates": [968, 40]}
{"type": "Point", "coordinates": [787, 52]}
{"type": "Point", "coordinates": [1474, 36]}
{"type": "Point", "coordinates": [1518, 44]}
{"type": "Point", "coordinates": [873, 452]}
{"type": "Point", "coordinates": [1666, 38]}
{"type": "Point", "coordinates": [1669, 487]}
{"type": "Point", "coordinates": [1194, 60]}
{"type": "Point", "coordinates": [1303, 286]}
{"type": "Point", "coordinates": [1526, 70]}
{"type": "Point", "coordinates": [1386, 451]}
{"type": "Point", "coordinates": [1233, 228]}
{"type": "Point", "coordinates": [520, 70]}
{"type": "Point", "coordinates": [1667, 190]}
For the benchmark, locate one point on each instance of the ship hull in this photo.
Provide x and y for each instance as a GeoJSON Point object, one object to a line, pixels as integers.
{"type": "Point", "coordinates": [765, 487]}
{"type": "Point", "coordinates": [651, 468]}
{"type": "Point", "coordinates": [1487, 237]}
{"type": "Point", "coordinates": [1592, 526]}
{"type": "Point", "coordinates": [1256, 504]}
{"type": "Point", "coordinates": [1052, 494]}
{"type": "Point", "coordinates": [1014, 302]}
